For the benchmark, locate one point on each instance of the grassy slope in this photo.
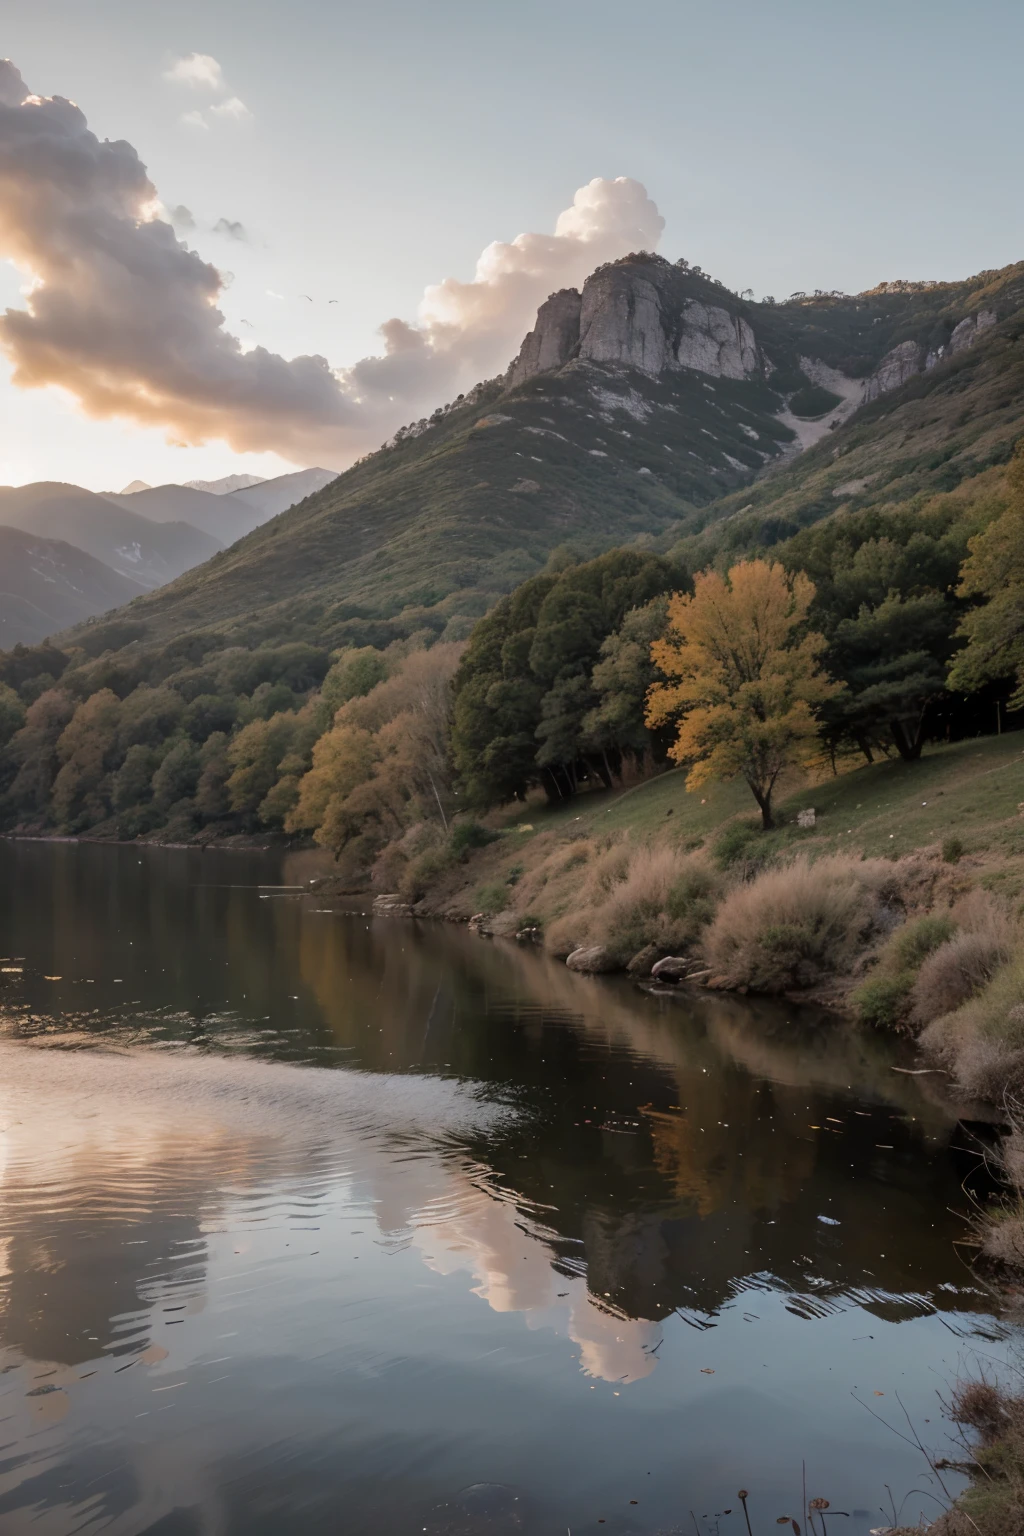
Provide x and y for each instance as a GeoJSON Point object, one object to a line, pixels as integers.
{"type": "Point", "coordinates": [972, 789]}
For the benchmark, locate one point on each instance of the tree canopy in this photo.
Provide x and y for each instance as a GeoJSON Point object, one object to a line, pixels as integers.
{"type": "Point", "coordinates": [539, 694]}
{"type": "Point", "coordinates": [744, 677]}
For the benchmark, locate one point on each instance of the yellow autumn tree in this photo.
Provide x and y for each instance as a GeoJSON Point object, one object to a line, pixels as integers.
{"type": "Point", "coordinates": [743, 677]}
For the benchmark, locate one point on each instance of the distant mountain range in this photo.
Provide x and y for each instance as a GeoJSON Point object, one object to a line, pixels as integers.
{"type": "Point", "coordinates": [129, 542]}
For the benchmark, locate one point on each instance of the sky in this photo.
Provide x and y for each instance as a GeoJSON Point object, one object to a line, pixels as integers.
{"type": "Point", "coordinates": [368, 153]}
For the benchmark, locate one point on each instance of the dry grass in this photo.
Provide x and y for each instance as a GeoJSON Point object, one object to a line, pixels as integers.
{"type": "Point", "coordinates": [632, 897]}
{"type": "Point", "coordinates": [956, 971]}
{"type": "Point", "coordinates": [982, 1042]}
{"type": "Point", "coordinates": [793, 927]}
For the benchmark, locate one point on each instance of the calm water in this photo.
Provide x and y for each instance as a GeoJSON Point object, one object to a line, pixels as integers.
{"type": "Point", "coordinates": [312, 1223]}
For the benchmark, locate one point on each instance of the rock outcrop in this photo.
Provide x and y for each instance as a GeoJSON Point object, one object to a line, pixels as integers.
{"type": "Point", "coordinates": [895, 369]}
{"type": "Point", "coordinates": [553, 340]}
{"type": "Point", "coordinates": [967, 332]}
{"type": "Point", "coordinates": [716, 342]}
{"type": "Point", "coordinates": [635, 315]}
{"type": "Point", "coordinates": [622, 320]}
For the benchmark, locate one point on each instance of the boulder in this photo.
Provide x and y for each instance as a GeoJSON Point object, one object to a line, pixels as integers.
{"type": "Point", "coordinates": [592, 960]}
{"type": "Point", "coordinates": [391, 906]}
{"type": "Point", "coordinates": [806, 818]}
{"type": "Point", "coordinates": [673, 969]}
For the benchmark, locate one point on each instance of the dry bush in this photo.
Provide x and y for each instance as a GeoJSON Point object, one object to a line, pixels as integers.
{"type": "Point", "coordinates": [994, 1504]}
{"type": "Point", "coordinates": [982, 1042]}
{"type": "Point", "coordinates": [664, 898]}
{"type": "Point", "coordinates": [634, 896]}
{"type": "Point", "coordinates": [956, 971]}
{"type": "Point", "coordinates": [792, 927]}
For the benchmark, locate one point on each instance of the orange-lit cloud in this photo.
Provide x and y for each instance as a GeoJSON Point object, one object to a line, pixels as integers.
{"type": "Point", "coordinates": [125, 316]}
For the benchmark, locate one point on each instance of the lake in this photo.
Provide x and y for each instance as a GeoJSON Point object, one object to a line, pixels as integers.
{"type": "Point", "coordinates": [312, 1222]}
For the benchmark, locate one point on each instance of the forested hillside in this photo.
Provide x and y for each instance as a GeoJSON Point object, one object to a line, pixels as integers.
{"type": "Point", "coordinates": [314, 679]}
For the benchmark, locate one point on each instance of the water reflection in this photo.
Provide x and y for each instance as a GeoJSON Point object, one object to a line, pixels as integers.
{"type": "Point", "coordinates": [281, 1188]}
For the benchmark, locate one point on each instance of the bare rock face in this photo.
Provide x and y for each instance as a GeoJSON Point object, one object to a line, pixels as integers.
{"type": "Point", "coordinates": [967, 332]}
{"type": "Point", "coordinates": [715, 342]}
{"type": "Point", "coordinates": [554, 338]}
{"type": "Point", "coordinates": [895, 369]}
{"type": "Point", "coordinates": [621, 321]}
{"type": "Point", "coordinates": [632, 315]}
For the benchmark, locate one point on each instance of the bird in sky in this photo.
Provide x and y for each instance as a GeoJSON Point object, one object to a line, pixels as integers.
{"type": "Point", "coordinates": [305, 296]}
{"type": "Point", "coordinates": [332, 301]}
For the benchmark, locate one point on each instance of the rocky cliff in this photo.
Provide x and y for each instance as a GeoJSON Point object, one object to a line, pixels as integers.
{"type": "Point", "coordinates": [640, 314]}
{"type": "Point", "coordinates": [645, 314]}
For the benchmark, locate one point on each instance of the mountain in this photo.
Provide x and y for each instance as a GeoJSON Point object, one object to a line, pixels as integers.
{"type": "Point", "coordinates": [223, 508]}
{"type": "Point", "coordinates": [136, 485]}
{"type": "Point", "coordinates": [147, 554]}
{"type": "Point", "coordinates": [277, 495]}
{"type": "Point", "coordinates": [46, 585]}
{"type": "Point", "coordinates": [222, 487]}
{"type": "Point", "coordinates": [224, 518]}
{"type": "Point", "coordinates": [633, 412]}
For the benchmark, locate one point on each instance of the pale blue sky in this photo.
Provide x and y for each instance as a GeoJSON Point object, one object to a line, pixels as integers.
{"type": "Point", "coordinates": [793, 145]}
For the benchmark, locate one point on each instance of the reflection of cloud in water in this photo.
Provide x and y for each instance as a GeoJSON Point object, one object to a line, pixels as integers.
{"type": "Point", "coordinates": [511, 1260]}
{"type": "Point", "coordinates": [171, 1144]}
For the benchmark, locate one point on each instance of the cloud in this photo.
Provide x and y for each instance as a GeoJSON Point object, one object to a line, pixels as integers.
{"type": "Point", "coordinates": [124, 316]}
{"type": "Point", "coordinates": [198, 70]}
{"type": "Point", "coordinates": [231, 229]}
{"type": "Point", "coordinates": [232, 109]}
{"type": "Point", "coordinates": [181, 217]}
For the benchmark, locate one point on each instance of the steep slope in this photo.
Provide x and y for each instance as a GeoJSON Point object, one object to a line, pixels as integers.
{"type": "Point", "coordinates": [634, 410]}
{"type": "Point", "coordinates": [147, 554]}
{"type": "Point", "coordinates": [46, 585]}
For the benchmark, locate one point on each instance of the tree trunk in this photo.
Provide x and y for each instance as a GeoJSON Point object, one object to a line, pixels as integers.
{"type": "Point", "coordinates": [764, 800]}
{"type": "Point", "coordinates": [865, 747]}
{"type": "Point", "coordinates": [908, 746]}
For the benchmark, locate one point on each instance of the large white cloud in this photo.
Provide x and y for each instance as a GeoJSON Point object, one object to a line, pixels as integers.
{"type": "Point", "coordinates": [124, 315]}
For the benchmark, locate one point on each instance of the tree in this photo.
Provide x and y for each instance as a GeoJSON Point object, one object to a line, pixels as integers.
{"type": "Point", "coordinates": [87, 750]}
{"type": "Point", "coordinates": [33, 750]}
{"type": "Point", "coordinates": [526, 694]}
{"type": "Point", "coordinates": [994, 570]}
{"type": "Point", "coordinates": [891, 659]}
{"type": "Point", "coordinates": [744, 677]}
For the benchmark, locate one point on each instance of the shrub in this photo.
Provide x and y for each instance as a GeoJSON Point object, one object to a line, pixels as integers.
{"type": "Point", "coordinates": [467, 835]}
{"type": "Point", "coordinates": [792, 927]}
{"type": "Point", "coordinates": [953, 850]}
{"type": "Point", "coordinates": [493, 898]}
{"type": "Point", "coordinates": [633, 897]}
{"type": "Point", "coordinates": [883, 1000]}
{"type": "Point", "coordinates": [420, 873]}
{"type": "Point", "coordinates": [982, 1042]}
{"type": "Point", "coordinates": [733, 845]}
{"type": "Point", "coordinates": [915, 941]}
{"type": "Point", "coordinates": [956, 971]}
